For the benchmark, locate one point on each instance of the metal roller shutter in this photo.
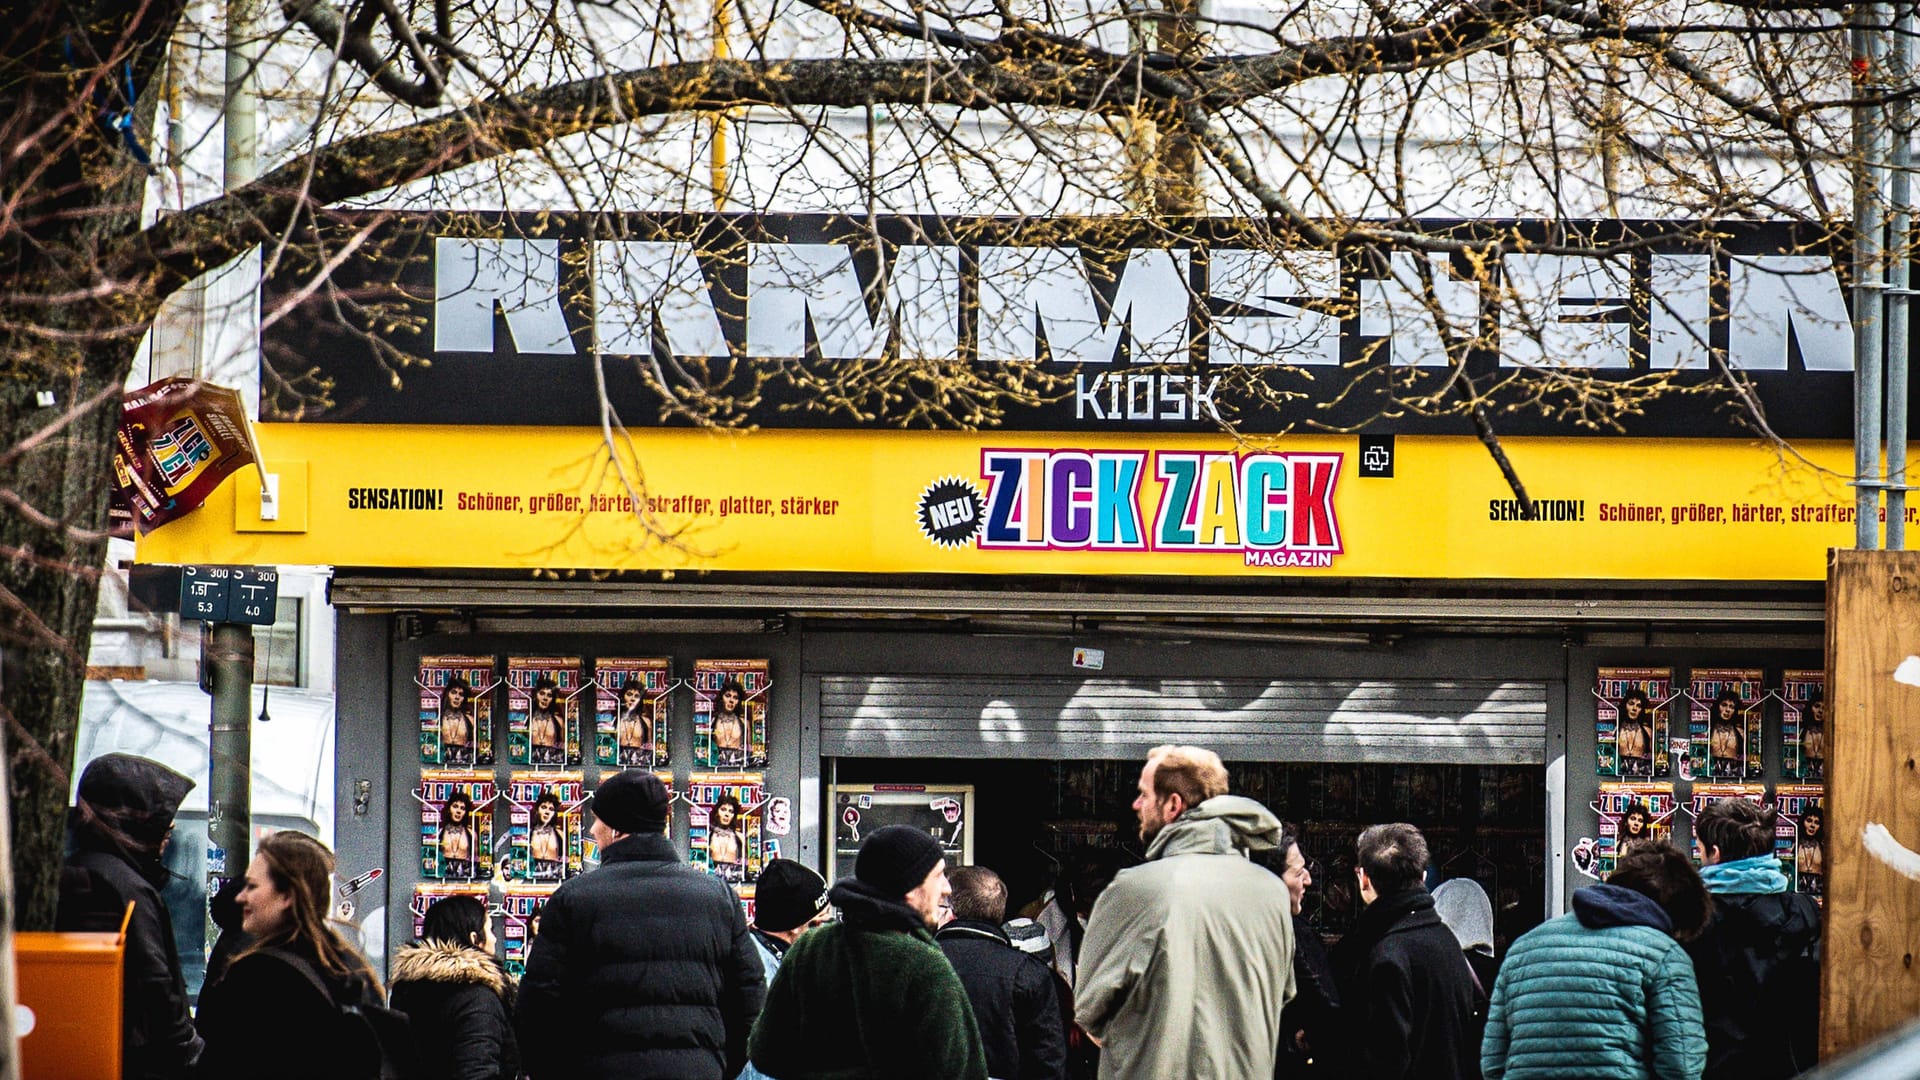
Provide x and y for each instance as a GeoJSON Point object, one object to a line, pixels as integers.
{"type": "Point", "coordinates": [1446, 721]}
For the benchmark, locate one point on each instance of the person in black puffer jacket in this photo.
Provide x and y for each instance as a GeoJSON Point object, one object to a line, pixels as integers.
{"type": "Point", "coordinates": [1759, 960]}
{"type": "Point", "coordinates": [643, 969]}
{"type": "Point", "coordinates": [457, 997]}
{"type": "Point", "coordinates": [122, 818]}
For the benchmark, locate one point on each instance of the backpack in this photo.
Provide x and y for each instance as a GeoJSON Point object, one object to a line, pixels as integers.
{"type": "Point", "coordinates": [373, 1042]}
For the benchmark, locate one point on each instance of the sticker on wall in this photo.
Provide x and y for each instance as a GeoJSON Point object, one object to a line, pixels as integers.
{"type": "Point", "coordinates": [630, 714]}
{"type": "Point", "coordinates": [427, 893]}
{"type": "Point", "coordinates": [522, 909]}
{"type": "Point", "coordinates": [543, 711]}
{"type": "Point", "coordinates": [1682, 751]}
{"type": "Point", "coordinates": [544, 826]}
{"type": "Point", "coordinates": [1629, 813]}
{"type": "Point", "coordinates": [1803, 725]}
{"type": "Point", "coordinates": [730, 714]}
{"type": "Point", "coordinates": [1704, 794]}
{"type": "Point", "coordinates": [779, 817]}
{"type": "Point", "coordinates": [456, 825]}
{"type": "Point", "coordinates": [1632, 710]}
{"type": "Point", "coordinates": [456, 710]}
{"type": "Point", "coordinates": [1800, 836]}
{"type": "Point", "coordinates": [1725, 723]}
{"type": "Point", "coordinates": [724, 825]}
{"type": "Point", "coordinates": [1586, 857]}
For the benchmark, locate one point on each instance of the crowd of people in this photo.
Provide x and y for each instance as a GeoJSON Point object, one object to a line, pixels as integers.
{"type": "Point", "coordinates": [1194, 963]}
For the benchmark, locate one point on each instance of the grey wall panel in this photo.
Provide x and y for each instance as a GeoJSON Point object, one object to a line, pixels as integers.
{"type": "Point", "coordinates": [1583, 786]}
{"type": "Point", "coordinates": [1462, 721]}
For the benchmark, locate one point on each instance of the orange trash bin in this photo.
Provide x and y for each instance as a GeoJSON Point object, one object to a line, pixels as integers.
{"type": "Point", "coordinates": [72, 985]}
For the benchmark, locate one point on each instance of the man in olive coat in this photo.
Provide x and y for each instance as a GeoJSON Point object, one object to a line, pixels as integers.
{"type": "Point", "coordinates": [872, 995]}
{"type": "Point", "coordinates": [1188, 959]}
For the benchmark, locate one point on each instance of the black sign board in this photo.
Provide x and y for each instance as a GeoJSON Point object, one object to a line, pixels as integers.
{"type": "Point", "coordinates": [1144, 329]}
{"type": "Point", "coordinates": [204, 592]}
{"type": "Point", "coordinates": [230, 594]}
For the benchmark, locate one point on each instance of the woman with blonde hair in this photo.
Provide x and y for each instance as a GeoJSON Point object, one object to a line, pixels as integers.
{"type": "Point", "coordinates": [278, 1010]}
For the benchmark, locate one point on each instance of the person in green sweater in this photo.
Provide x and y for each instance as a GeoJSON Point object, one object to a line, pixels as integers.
{"type": "Point", "coordinates": [872, 996]}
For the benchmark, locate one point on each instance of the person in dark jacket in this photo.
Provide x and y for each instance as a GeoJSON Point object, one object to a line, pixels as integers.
{"type": "Point", "coordinates": [1022, 1029]}
{"type": "Point", "coordinates": [788, 900]}
{"type": "Point", "coordinates": [643, 969]}
{"type": "Point", "coordinates": [276, 1012]}
{"type": "Point", "coordinates": [1759, 960]}
{"type": "Point", "coordinates": [122, 819]}
{"type": "Point", "coordinates": [1405, 987]}
{"type": "Point", "coordinates": [872, 995]}
{"type": "Point", "coordinates": [1310, 1024]}
{"type": "Point", "coordinates": [457, 997]}
{"type": "Point", "coordinates": [224, 910]}
{"type": "Point", "coordinates": [1606, 992]}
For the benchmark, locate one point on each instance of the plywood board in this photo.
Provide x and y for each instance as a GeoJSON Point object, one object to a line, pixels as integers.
{"type": "Point", "coordinates": [1871, 975]}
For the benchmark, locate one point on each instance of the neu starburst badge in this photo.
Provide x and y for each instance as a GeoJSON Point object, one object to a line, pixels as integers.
{"type": "Point", "coordinates": [950, 511]}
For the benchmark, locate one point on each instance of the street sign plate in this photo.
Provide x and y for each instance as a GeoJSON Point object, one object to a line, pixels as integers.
{"type": "Point", "coordinates": [203, 592]}
{"type": "Point", "coordinates": [233, 594]}
{"type": "Point", "coordinates": [253, 594]}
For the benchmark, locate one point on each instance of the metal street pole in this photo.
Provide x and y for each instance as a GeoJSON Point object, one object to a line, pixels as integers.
{"type": "Point", "coordinates": [1868, 25]}
{"type": "Point", "coordinates": [229, 662]}
{"type": "Point", "coordinates": [229, 658]}
{"type": "Point", "coordinates": [1899, 296]}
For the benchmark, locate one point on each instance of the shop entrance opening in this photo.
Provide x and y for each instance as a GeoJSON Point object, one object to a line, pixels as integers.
{"type": "Point", "coordinates": [1485, 822]}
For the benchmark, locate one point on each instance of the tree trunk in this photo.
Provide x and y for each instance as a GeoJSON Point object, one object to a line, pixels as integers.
{"type": "Point", "coordinates": [51, 552]}
{"type": "Point", "coordinates": [73, 186]}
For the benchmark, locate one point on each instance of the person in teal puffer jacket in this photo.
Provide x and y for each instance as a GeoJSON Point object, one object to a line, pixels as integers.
{"type": "Point", "coordinates": [1606, 991]}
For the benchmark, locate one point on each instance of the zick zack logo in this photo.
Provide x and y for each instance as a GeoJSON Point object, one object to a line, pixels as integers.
{"type": "Point", "coordinates": [1274, 509]}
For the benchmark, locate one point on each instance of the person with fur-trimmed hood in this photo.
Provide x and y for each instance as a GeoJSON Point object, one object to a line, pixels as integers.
{"type": "Point", "coordinates": [457, 997]}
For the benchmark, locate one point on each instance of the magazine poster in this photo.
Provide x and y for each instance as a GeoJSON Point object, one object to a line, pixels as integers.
{"type": "Point", "coordinates": [746, 902]}
{"type": "Point", "coordinates": [456, 825]}
{"type": "Point", "coordinates": [1725, 723]}
{"type": "Point", "coordinates": [543, 711]}
{"type": "Point", "coordinates": [630, 711]}
{"type": "Point", "coordinates": [1631, 812]}
{"type": "Point", "coordinates": [1800, 836]}
{"type": "Point", "coordinates": [1632, 710]}
{"type": "Point", "coordinates": [456, 711]}
{"type": "Point", "coordinates": [522, 906]}
{"type": "Point", "coordinates": [426, 893]}
{"type": "Point", "coordinates": [1703, 795]}
{"type": "Point", "coordinates": [730, 714]}
{"type": "Point", "coordinates": [1803, 725]}
{"type": "Point", "coordinates": [724, 825]}
{"type": "Point", "coordinates": [543, 828]}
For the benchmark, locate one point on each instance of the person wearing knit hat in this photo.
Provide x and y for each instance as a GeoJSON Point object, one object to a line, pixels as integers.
{"type": "Point", "coordinates": [644, 966]}
{"type": "Point", "coordinates": [905, 1012]}
{"type": "Point", "coordinates": [789, 900]}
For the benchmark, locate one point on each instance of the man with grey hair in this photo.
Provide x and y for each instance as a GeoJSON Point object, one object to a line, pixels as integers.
{"type": "Point", "coordinates": [1023, 1028]}
{"type": "Point", "coordinates": [1405, 985]}
{"type": "Point", "coordinates": [1188, 959]}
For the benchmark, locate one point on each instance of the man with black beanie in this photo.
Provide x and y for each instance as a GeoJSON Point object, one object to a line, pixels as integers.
{"type": "Point", "coordinates": [872, 994]}
{"type": "Point", "coordinates": [789, 900]}
{"type": "Point", "coordinates": [643, 968]}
